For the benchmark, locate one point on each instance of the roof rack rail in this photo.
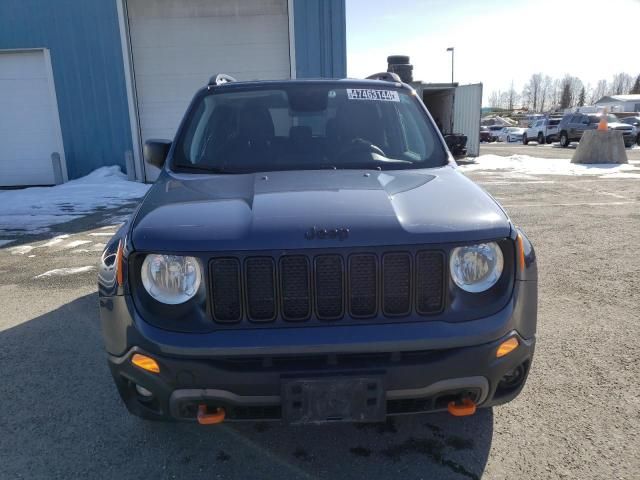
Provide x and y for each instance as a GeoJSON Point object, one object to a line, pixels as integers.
{"type": "Point", "coordinates": [221, 79]}
{"type": "Point", "coordinates": [385, 76]}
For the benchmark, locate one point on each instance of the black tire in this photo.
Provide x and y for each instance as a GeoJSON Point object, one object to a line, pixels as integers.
{"type": "Point", "coordinates": [508, 139]}
{"type": "Point", "coordinates": [564, 140]}
{"type": "Point", "coordinates": [540, 138]}
{"type": "Point", "coordinates": [638, 139]}
{"type": "Point", "coordinates": [548, 141]}
{"type": "Point", "coordinates": [525, 140]}
{"type": "Point", "coordinates": [398, 59]}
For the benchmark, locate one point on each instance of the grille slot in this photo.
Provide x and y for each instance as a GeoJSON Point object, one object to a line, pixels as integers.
{"type": "Point", "coordinates": [396, 284]}
{"type": "Point", "coordinates": [225, 289]}
{"type": "Point", "coordinates": [363, 281]}
{"type": "Point", "coordinates": [295, 291]}
{"type": "Point", "coordinates": [429, 282]}
{"type": "Point", "coordinates": [329, 287]}
{"type": "Point", "coordinates": [260, 287]}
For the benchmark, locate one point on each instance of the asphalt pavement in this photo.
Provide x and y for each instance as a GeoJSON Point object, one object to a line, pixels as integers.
{"type": "Point", "coordinates": [578, 416]}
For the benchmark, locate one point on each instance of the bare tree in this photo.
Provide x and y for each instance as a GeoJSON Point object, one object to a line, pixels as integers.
{"type": "Point", "coordinates": [621, 83]}
{"type": "Point", "coordinates": [556, 90]}
{"type": "Point", "coordinates": [581, 98]}
{"type": "Point", "coordinates": [531, 92]}
{"type": "Point", "coordinates": [494, 99]}
{"type": "Point", "coordinates": [545, 91]}
{"type": "Point", "coordinates": [565, 96]}
{"type": "Point", "coordinates": [636, 86]}
{"type": "Point", "coordinates": [576, 88]}
{"type": "Point", "coordinates": [512, 97]}
{"type": "Point", "coordinates": [599, 91]}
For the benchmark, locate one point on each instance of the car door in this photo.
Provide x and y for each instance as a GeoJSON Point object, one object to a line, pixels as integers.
{"type": "Point", "coordinates": [576, 127]}
{"type": "Point", "coordinates": [585, 124]}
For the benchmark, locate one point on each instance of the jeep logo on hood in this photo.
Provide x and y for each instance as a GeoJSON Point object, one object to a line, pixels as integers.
{"type": "Point", "coordinates": [322, 233]}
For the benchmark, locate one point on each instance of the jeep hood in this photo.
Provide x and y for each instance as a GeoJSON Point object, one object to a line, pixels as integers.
{"type": "Point", "coordinates": [274, 210]}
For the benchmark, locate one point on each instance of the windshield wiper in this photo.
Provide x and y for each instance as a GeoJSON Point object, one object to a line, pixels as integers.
{"type": "Point", "coordinates": [200, 169]}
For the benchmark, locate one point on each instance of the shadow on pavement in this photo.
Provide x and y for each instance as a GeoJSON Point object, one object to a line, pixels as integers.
{"type": "Point", "coordinates": [60, 417]}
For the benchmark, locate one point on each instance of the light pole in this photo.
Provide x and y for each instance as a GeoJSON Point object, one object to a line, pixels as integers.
{"type": "Point", "coordinates": [450, 49]}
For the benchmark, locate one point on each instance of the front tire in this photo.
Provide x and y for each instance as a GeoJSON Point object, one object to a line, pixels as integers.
{"type": "Point", "coordinates": [540, 139]}
{"type": "Point", "coordinates": [525, 140]}
{"type": "Point", "coordinates": [564, 140]}
{"type": "Point", "coordinates": [508, 139]}
{"type": "Point", "coordinates": [638, 139]}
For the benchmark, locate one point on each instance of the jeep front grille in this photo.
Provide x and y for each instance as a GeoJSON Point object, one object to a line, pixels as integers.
{"type": "Point", "coordinates": [326, 287]}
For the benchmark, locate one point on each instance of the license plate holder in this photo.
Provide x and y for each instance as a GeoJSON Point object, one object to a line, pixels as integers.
{"type": "Point", "coordinates": [334, 399]}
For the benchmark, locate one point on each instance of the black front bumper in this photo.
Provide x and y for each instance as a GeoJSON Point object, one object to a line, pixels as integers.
{"type": "Point", "coordinates": [250, 387]}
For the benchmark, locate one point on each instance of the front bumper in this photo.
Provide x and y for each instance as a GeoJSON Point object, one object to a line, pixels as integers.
{"type": "Point", "coordinates": [422, 365]}
{"type": "Point", "coordinates": [249, 388]}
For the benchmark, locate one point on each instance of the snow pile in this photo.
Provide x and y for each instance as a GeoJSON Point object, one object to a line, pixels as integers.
{"type": "Point", "coordinates": [526, 165]}
{"type": "Point", "coordinates": [36, 209]}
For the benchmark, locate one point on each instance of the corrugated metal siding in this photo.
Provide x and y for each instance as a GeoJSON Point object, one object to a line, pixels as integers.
{"type": "Point", "coordinates": [466, 115]}
{"type": "Point", "coordinates": [86, 58]}
{"type": "Point", "coordinates": [320, 38]}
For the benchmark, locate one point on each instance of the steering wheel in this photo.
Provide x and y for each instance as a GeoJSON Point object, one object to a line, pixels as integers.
{"type": "Point", "coordinates": [360, 145]}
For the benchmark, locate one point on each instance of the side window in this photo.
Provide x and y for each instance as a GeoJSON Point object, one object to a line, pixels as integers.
{"type": "Point", "coordinates": [576, 119]}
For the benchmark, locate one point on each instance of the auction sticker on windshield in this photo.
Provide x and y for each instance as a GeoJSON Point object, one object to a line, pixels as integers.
{"type": "Point", "coordinates": [371, 94]}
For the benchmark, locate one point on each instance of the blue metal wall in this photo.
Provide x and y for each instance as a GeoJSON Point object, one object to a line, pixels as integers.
{"type": "Point", "coordinates": [320, 38]}
{"type": "Point", "coordinates": [86, 58]}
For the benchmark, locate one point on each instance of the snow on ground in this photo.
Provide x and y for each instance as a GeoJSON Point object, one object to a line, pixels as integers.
{"type": "Point", "coordinates": [36, 209]}
{"type": "Point", "coordinates": [62, 272]}
{"type": "Point", "coordinates": [525, 165]}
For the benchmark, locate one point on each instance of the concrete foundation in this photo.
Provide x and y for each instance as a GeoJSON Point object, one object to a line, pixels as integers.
{"type": "Point", "coordinates": [598, 146]}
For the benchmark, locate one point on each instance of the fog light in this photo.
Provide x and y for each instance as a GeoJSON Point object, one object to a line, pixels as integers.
{"type": "Point", "coordinates": [145, 363]}
{"type": "Point", "coordinates": [513, 378]}
{"type": "Point", "coordinates": [143, 392]}
{"type": "Point", "coordinates": [507, 347]}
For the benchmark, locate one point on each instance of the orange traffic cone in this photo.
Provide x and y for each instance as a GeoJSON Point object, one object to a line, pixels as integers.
{"type": "Point", "coordinates": [603, 125]}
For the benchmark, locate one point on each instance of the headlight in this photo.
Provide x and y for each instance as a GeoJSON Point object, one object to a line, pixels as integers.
{"type": "Point", "coordinates": [171, 279]}
{"type": "Point", "coordinates": [476, 268]}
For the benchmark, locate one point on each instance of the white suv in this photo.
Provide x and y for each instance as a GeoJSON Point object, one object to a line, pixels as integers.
{"type": "Point", "coordinates": [543, 130]}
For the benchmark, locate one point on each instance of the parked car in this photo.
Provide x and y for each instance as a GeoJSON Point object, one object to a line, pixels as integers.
{"type": "Point", "coordinates": [485, 134]}
{"type": "Point", "coordinates": [511, 134]}
{"type": "Point", "coordinates": [311, 253]}
{"type": "Point", "coordinates": [543, 130]}
{"type": "Point", "coordinates": [495, 131]}
{"type": "Point", "coordinates": [573, 125]}
{"type": "Point", "coordinates": [634, 121]}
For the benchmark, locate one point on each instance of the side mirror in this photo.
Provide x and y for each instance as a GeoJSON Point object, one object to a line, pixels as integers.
{"type": "Point", "coordinates": [155, 152]}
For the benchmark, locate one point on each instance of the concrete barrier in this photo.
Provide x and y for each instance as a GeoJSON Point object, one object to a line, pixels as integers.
{"type": "Point", "coordinates": [597, 146]}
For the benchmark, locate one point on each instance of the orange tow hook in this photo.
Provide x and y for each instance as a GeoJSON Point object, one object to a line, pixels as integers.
{"type": "Point", "coordinates": [463, 408]}
{"type": "Point", "coordinates": [210, 418]}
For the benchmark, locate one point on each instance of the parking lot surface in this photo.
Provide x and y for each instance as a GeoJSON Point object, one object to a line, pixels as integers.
{"type": "Point", "coordinates": [578, 416]}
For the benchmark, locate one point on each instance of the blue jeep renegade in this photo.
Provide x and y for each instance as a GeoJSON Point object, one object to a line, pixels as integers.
{"type": "Point", "coordinates": [311, 253]}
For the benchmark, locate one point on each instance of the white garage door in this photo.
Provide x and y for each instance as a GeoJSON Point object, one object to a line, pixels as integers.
{"type": "Point", "coordinates": [177, 45]}
{"type": "Point", "coordinates": [29, 123]}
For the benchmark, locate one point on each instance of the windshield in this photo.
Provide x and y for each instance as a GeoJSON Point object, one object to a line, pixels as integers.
{"type": "Point", "coordinates": [306, 127]}
{"type": "Point", "coordinates": [610, 118]}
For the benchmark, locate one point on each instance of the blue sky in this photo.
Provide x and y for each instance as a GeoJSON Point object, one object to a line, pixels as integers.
{"type": "Point", "coordinates": [495, 41]}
